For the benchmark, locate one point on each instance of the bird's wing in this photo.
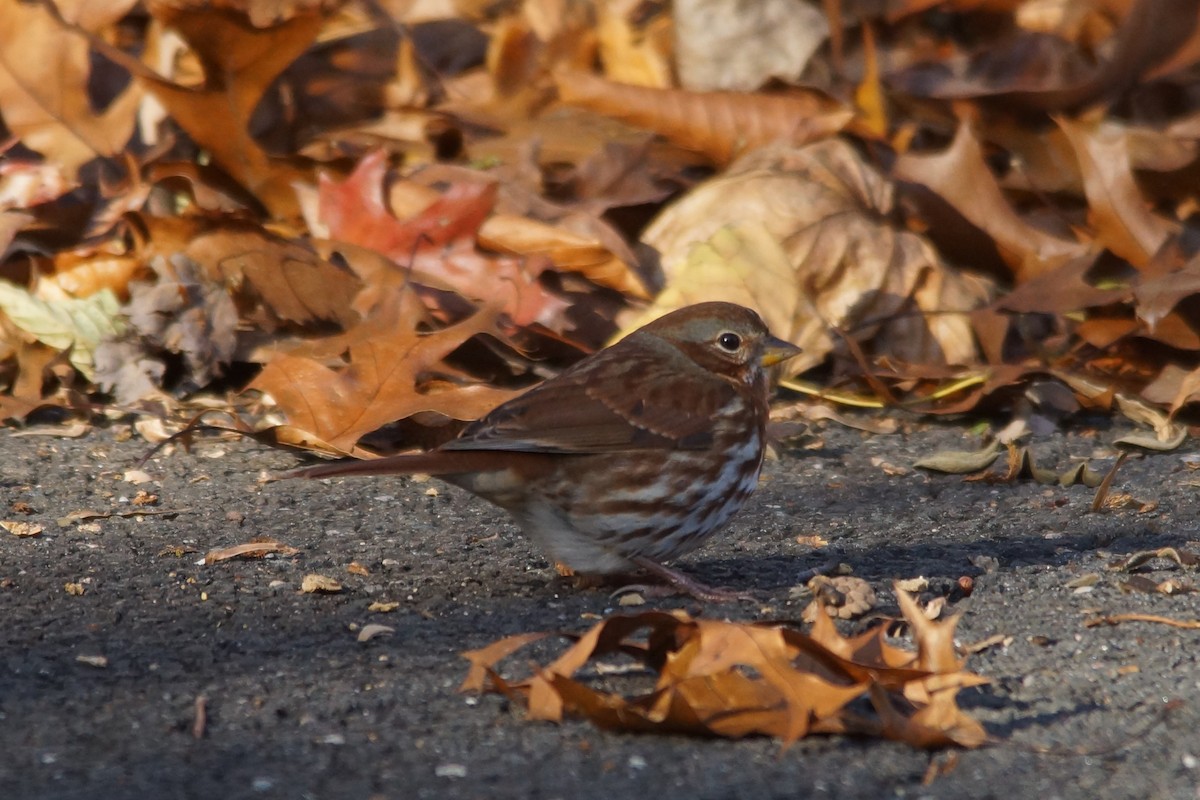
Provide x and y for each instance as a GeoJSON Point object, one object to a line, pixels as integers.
{"type": "Point", "coordinates": [632, 398]}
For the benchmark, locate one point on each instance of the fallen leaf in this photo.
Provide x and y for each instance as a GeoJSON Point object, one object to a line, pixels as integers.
{"type": "Point", "coordinates": [314, 583]}
{"type": "Point", "coordinates": [769, 39]}
{"type": "Point", "coordinates": [370, 632]}
{"type": "Point", "coordinates": [998, 639]}
{"type": "Point", "coordinates": [389, 361]}
{"type": "Point", "coordinates": [20, 528]}
{"type": "Point", "coordinates": [97, 661]}
{"type": "Point", "coordinates": [737, 679]}
{"type": "Point", "coordinates": [45, 74]}
{"type": "Point", "coordinates": [1115, 205]}
{"type": "Point", "coordinates": [69, 323]}
{"type": "Point", "coordinates": [256, 549]}
{"type": "Point", "coordinates": [382, 607]}
{"type": "Point", "coordinates": [136, 476]}
{"type": "Point", "coordinates": [958, 462]}
{"type": "Point", "coordinates": [850, 271]}
{"type": "Point", "coordinates": [961, 177]}
{"type": "Point", "coordinates": [1087, 579]}
{"type": "Point", "coordinates": [721, 125]}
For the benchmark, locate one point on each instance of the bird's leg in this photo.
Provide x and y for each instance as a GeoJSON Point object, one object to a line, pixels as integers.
{"type": "Point", "coordinates": [688, 585]}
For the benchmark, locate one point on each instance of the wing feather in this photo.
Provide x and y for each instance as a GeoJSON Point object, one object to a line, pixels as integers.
{"type": "Point", "coordinates": [593, 408]}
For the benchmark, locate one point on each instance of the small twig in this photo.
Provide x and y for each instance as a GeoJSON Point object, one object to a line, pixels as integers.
{"type": "Point", "coordinates": [1117, 619]}
{"type": "Point", "coordinates": [807, 575]}
{"type": "Point", "coordinates": [860, 358]}
{"type": "Point", "coordinates": [201, 718]}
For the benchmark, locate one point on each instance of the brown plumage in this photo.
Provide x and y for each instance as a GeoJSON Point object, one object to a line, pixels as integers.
{"type": "Point", "coordinates": [634, 456]}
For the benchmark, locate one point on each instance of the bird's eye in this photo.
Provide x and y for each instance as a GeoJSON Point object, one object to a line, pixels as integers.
{"type": "Point", "coordinates": [729, 342]}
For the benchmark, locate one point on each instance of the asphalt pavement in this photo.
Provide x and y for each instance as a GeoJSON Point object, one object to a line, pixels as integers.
{"type": "Point", "coordinates": [130, 670]}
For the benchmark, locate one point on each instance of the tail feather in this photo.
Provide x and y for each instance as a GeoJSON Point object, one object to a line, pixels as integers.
{"type": "Point", "coordinates": [435, 462]}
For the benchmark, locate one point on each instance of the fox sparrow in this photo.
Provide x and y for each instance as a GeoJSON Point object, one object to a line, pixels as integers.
{"type": "Point", "coordinates": [632, 457]}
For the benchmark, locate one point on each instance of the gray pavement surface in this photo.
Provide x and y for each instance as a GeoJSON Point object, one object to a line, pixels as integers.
{"type": "Point", "coordinates": [298, 708]}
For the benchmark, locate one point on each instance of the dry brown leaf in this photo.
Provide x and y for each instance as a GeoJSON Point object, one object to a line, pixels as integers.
{"type": "Point", "coordinates": [1158, 295]}
{"type": "Point", "coordinates": [1184, 558]}
{"type": "Point", "coordinates": [740, 263]}
{"type": "Point", "coordinates": [850, 270]}
{"type": "Point", "coordinates": [437, 246]}
{"type": "Point", "coordinates": [1116, 207]}
{"type": "Point", "coordinates": [256, 549]}
{"type": "Point", "coordinates": [238, 63]}
{"type": "Point", "coordinates": [274, 280]}
{"type": "Point", "coordinates": [83, 274]}
{"type": "Point", "coordinates": [738, 679]}
{"type": "Point", "coordinates": [567, 251]}
{"type": "Point", "coordinates": [136, 476]}
{"type": "Point", "coordinates": [384, 381]}
{"type": "Point", "coordinates": [44, 80]}
{"type": "Point", "coordinates": [961, 177]}
{"type": "Point", "coordinates": [721, 125]}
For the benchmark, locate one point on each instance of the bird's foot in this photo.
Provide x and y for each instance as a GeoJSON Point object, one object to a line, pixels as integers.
{"type": "Point", "coordinates": [681, 583]}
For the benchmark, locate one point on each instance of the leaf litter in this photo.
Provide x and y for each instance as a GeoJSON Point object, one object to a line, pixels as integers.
{"type": "Point", "coordinates": [731, 679]}
{"type": "Point", "coordinates": [937, 222]}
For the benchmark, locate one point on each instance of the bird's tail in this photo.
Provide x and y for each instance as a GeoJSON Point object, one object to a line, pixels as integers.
{"type": "Point", "coordinates": [436, 462]}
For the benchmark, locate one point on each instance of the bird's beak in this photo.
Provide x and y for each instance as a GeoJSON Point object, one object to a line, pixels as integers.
{"type": "Point", "coordinates": [776, 350]}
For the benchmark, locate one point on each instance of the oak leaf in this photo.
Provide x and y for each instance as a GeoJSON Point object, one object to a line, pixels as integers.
{"type": "Point", "coordinates": [386, 377]}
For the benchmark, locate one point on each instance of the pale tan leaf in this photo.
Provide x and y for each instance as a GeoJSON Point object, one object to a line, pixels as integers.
{"type": "Point", "coordinates": [756, 41]}
{"type": "Point", "coordinates": [78, 324]}
{"type": "Point", "coordinates": [958, 462]}
{"type": "Point", "coordinates": [319, 584]}
{"type": "Point", "coordinates": [21, 528]}
{"type": "Point", "coordinates": [372, 631]}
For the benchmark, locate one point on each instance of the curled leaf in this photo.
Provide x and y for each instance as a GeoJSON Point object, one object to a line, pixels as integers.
{"type": "Point", "coordinates": [959, 462]}
{"type": "Point", "coordinates": [736, 679]}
